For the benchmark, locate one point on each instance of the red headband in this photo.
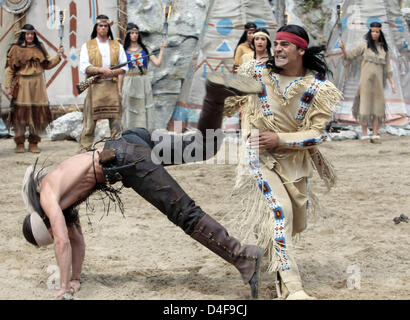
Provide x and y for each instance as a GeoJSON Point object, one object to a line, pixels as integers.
{"type": "Point", "coordinates": [292, 38]}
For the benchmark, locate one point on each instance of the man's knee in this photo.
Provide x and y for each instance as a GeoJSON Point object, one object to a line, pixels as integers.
{"type": "Point", "coordinates": [138, 136]}
{"type": "Point", "coordinates": [186, 213]}
{"type": "Point", "coordinates": [74, 233]}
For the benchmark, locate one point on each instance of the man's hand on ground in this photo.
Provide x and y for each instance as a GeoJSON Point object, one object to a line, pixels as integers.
{"type": "Point", "coordinates": [63, 294]}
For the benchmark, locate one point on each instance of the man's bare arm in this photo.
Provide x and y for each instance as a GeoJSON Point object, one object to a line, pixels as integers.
{"type": "Point", "coordinates": [49, 199]}
{"type": "Point", "coordinates": [78, 254]}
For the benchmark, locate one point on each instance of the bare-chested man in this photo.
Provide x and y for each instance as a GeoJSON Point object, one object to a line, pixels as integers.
{"type": "Point", "coordinates": [136, 159]}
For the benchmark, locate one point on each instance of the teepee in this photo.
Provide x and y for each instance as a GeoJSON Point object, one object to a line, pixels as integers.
{"type": "Point", "coordinates": [356, 16]}
{"type": "Point", "coordinates": [222, 29]}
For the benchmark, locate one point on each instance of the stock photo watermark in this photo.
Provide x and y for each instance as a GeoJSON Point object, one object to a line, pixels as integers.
{"type": "Point", "coordinates": [354, 278]}
{"type": "Point", "coordinates": [193, 146]}
{"type": "Point", "coordinates": [53, 281]}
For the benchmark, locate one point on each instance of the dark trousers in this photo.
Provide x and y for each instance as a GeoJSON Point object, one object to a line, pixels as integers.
{"type": "Point", "coordinates": [134, 166]}
{"type": "Point", "coordinates": [139, 164]}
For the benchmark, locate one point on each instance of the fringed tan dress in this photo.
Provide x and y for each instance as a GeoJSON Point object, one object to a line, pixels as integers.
{"type": "Point", "coordinates": [369, 102]}
{"type": "Point", "coordinates": [31, 106]}
{"type": "Point", "coordinates": [273, 185]}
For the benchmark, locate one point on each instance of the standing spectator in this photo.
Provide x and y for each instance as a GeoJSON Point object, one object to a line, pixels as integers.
{"type": "Point", "coordinates": [26, 61]}
{"type": "Point", "coordinates": [102, 101]}
{"type": "Point", "coordinates": [369, 106]}
{"type": "Point", "coordinates": [135, 87]}
{"type": "Point", "coordinates": [244, 44]}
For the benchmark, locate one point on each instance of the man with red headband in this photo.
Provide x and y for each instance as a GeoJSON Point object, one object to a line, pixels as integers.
{"type": "Point", "coordinates": [102, 100]}
{"type": "Point", "coordinates": [290, 117]}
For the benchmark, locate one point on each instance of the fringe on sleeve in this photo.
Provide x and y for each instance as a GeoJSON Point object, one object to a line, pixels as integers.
{"type": "Point", "coordinates": [233, 104]}
{"type": "Point", "coordinates": [326, 100]}
{"type": "Point", "coordinates": [248, 67]}
{"type": "Point", "coordinates": [324, 168]}
{"type": "Point", "coordinates": [353, 60]}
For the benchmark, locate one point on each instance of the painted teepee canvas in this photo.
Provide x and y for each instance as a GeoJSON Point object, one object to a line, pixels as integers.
{"type": "Point", "coordinates": [356, 16]}
{"type": "Point", "coordinates": [221, 32]}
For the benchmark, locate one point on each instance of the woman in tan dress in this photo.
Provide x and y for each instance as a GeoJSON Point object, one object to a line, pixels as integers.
{"type": "Point", "coordinates": [244, 45]}
{"type": "Point", "coordinates": [26, 61]}
{"type": "Point", "coordinates": [369, 104]}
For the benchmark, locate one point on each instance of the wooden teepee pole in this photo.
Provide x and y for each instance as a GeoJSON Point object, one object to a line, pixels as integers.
{"type": "Point", "coordinates": [19, 22]}
{"type": "Point", "coordinates": [122, 18]}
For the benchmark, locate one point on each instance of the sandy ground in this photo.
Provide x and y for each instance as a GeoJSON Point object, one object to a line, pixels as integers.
{"type": "Point", "coordinates": [352, 250]}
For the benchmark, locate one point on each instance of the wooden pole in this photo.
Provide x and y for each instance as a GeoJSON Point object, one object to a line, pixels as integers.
{"type": "Point", "coordinates": [281, 12]}
{"type": "Point", "coordinates": [19, 22]}
{"type": "Point", "coordinates": [122, 19]}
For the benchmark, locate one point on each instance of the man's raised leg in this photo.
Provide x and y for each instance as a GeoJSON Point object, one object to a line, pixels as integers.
{"type": "Point", "coordinates": [154, 184]}
{"type": "Point", "coordinates": [220, 86]}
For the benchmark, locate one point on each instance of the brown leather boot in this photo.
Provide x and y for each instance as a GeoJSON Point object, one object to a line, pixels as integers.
{"type": "Point", "coordinates": [19, 144]}
{"type": "Point", "coordinates": [246, 258]}
{"type": "Point", "coordinates": [220, 86]}
{"type": "Point", "coordinates": [33, 141]}
{"type": "Point", "coordinates": [32, 147]}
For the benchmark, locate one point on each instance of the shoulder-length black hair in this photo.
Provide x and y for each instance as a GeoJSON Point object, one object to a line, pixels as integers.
{"type": "Point", "coordinates": [21, 41]}
{"type": "Point", "coordinates": [268, 46]}
{"type": "Point", "coordinates": [244, 36]}
{"type": "Point", "coordinates": [313, 59]}
{"type": "Point", "coordinates": [94, 33]}
{"type": "Point", "coordinates": [370, 42]}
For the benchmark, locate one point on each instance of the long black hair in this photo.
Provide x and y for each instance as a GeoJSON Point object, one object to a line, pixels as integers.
{"type": "Point", "coordinates": [268, 45]}
{"type": "Point", "coordinates": [94, 33]}
{"type": "Point", "coordinates": [313, 59]}
{"type": "Point", "coordinates": [244, 36]}
{"type": "Point", "coordinates": [127, 40]}
{"type": "Point", "coordinates": [370, 42]}
{"type": "Point", "coordinates": [21, 41]}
